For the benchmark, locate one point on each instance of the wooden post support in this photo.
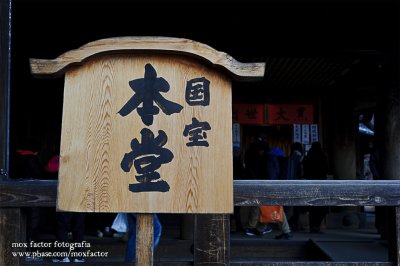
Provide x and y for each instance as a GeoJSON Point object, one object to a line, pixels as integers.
{"type": "Point", "coordinates": [144, 239]}
{"type": "Point", "coordinates": [397, 236]}
{"type": "Point", "coordinates": [387, 127]}
{"type": "Point", "coordinates": [10, 232]}
{"type": "Point", "coordinates": [394, 239]}
{"type": "Point", "coordinates": [390, 139]}
{"type": "Point", "coordinates": [211, 239]}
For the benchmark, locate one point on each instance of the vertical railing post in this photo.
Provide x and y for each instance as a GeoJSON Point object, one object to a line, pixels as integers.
{"type": "Point", "coordinates": [144, 239]}
{"type": "Point", "coordinates": [397, 235]}
{"type": "Point", "coordinates": [5, 64]}
{"type": "Point", "coordinates": [211, 239]}
{"type": "Point", "coordinates": [11, 231]}
{"type": "Point", "coordinates": [394, 235]}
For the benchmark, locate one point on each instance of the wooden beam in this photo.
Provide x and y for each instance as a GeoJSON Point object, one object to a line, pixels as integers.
{"type": "Point", "coordinates": [317, 192]}
{"type": "Point", "coordinates": [32, 193]}
{"type": "Point", "coordinates": [246, 193]}
{"type": "Point", "coordinates": [10, 232]}
{"type": "Point", "coordinates": [144, 239]}
{"type": "Point", "coordinates": [211, 239]}
{"type": "Point", "coordinates": [5, 63]}
{"type": "Point", "coordinates": [238, 70]}
{"type": "Point", "coordinates": [311, 263]}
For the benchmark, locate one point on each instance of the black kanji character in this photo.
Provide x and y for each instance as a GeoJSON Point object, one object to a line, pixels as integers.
{"type": "Point", "coordinates": [281, 114]}
{"type": "Point", "coordinates": [198, 92]}
{"type": "Point", "coordinates": [147, 90]}
{"type": "Point", "coordinates": [251, 113]}
{"type": "Point", "coordinates": [300, 112]}
{"type": "Point", "coordinates": [147, 157]}
{"type": "Point", "coordinates": [195, 132]}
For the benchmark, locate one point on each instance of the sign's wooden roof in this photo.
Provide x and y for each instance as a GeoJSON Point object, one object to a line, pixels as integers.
{"type": "Point", "coordinates": [238, 70]}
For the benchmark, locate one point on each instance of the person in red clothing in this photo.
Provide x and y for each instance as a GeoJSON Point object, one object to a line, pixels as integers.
{"type": "Point", "coordinates": [25, 163]}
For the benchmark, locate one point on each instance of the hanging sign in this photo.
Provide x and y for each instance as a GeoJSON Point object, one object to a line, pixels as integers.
{"type": "Point", "coordinates": [250, 114]}
{"type": "Point", "coordinates": [297, 133]}
{"type": "Point", "coordinates": [290, 114]}
{"type": "Point", "coordinates": [305, 134]}
{"type": "Point", "coordinates": [314, 133]}
{"type": "Point", "coordinates": [236, 133]}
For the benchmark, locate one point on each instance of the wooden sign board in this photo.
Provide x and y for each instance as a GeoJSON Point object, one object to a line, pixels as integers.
{"type": "Point", "coordinates": [146, 133]}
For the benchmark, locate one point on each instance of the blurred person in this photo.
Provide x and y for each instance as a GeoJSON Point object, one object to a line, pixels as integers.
{"type": "Point", "coordinates": [283, 174]}
{"type": "Point", "coordinates": [260, 164]}
{"type": "Point", "coordinates": [295, 172]}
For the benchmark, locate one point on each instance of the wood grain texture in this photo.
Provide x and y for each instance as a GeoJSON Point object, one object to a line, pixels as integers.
{"type": "Point", "coordinates": [95, 138]}
{"type": "Point", "coordinates": [211, 239]}
{"type": "Point", "coordinates": [10, 232]}
{"type": "Point", "coordinates": [317, 193]}
{"type": "Point", "coordinates": [312, 263]}
{"type": "Point", "coordinates": [239, 71]}
{"type": "Point", "coordinates": [144, 239]}
{"type": "Point", "coordinates": [246, 193]}
{"type": "Point", "coordinates": [42, 193]}
{"type": "Point", "coordinates": [27, 193]}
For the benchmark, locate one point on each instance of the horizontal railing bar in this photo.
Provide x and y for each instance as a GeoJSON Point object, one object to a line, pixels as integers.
{"type": "Point", "coordinates": [246, 193]}
{"type": "Point", "coordinates": [317, 192]}
{"type": "Point", "coordinates": [24, 193]}
{"type": "Point", "coordinates": [314, 263]}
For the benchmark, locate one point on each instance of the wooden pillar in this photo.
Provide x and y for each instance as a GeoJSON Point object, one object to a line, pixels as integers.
{"type": "Point", "coordinates": [144, 239]}
{"type": "Point", "coordinates": [344, 129]}
{"type": "Point", "coordinates": [393, 239]}
{"type": "Point", "coordinates": [211, 239]}
{"type": "Point", "coordinates": [387, 128]}
{"type": "Point", "coordinates": [10, 218]}
{"type": "Point", "coordinates": [5, 50]}
{"type": "Point", "coordinates": [11, 231]}
{"type": "Point", "coordinates": [390, 140]}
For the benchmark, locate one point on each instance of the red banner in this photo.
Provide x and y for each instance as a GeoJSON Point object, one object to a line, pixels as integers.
{"type": "Point", "coordinates": [290, 114]}
{"type": "Point", "coordinates": [248, 114]}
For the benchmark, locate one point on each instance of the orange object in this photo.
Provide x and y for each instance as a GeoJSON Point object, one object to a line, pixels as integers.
{"type": "Point", "coordinates": [271, 214]}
